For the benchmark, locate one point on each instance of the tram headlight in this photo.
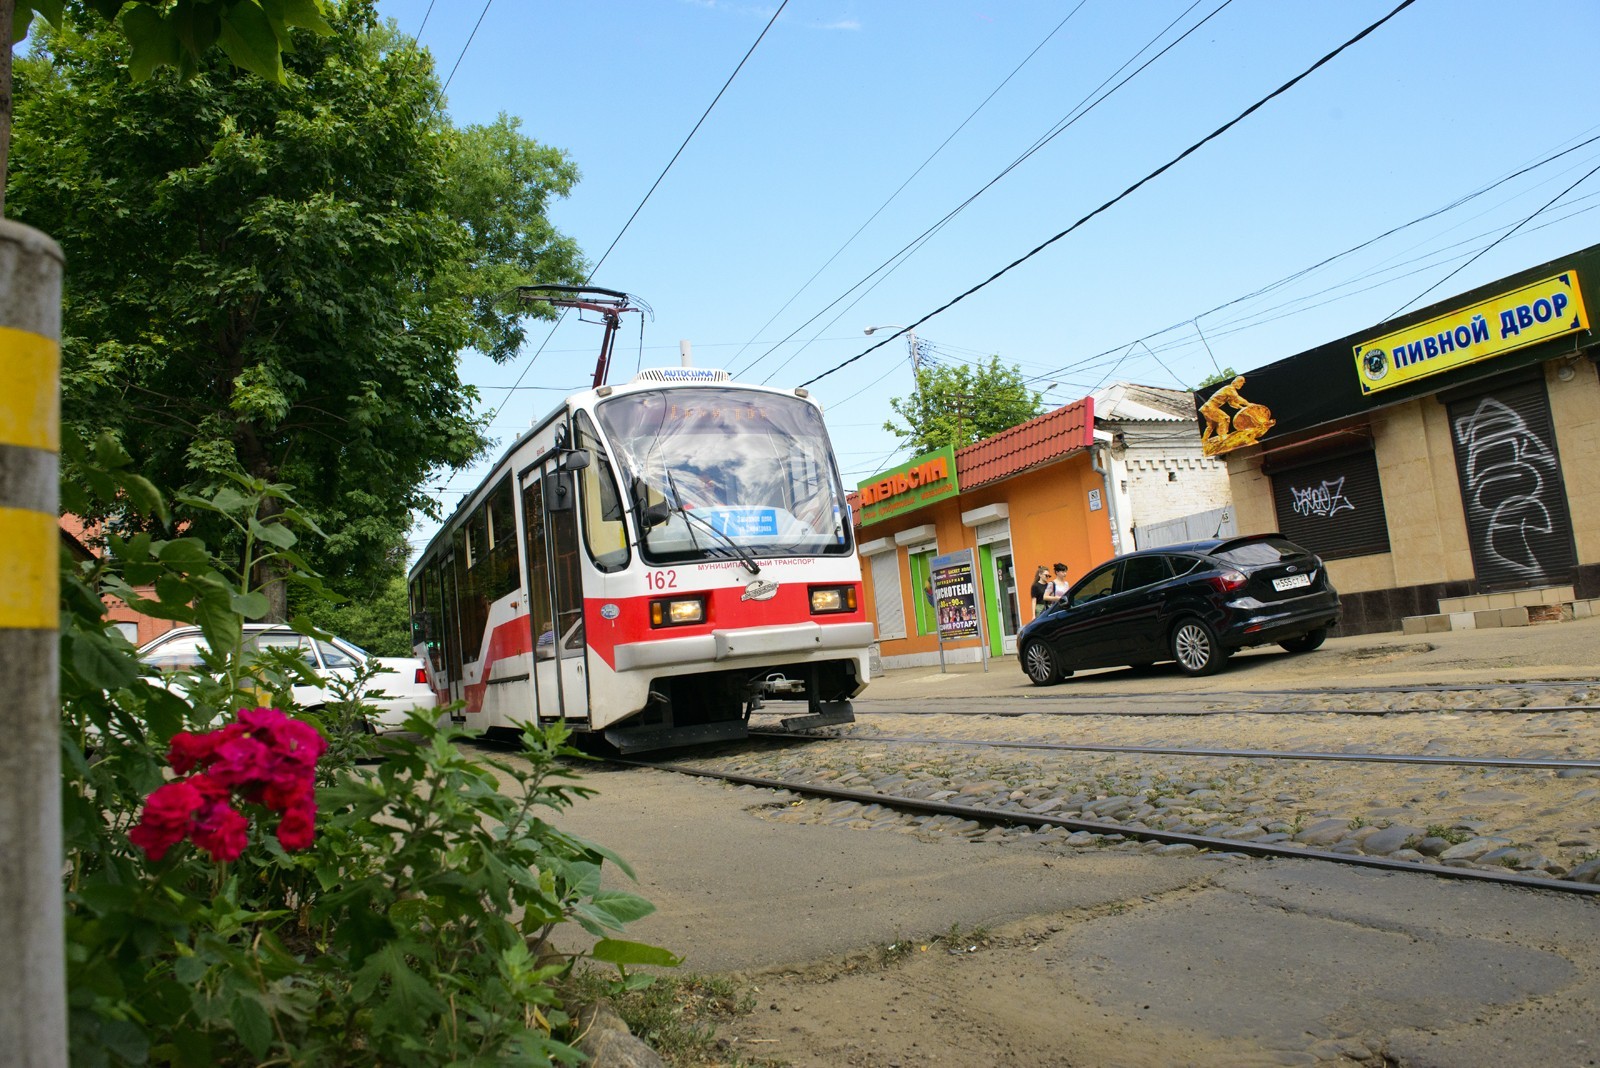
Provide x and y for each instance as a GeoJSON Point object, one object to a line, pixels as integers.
{"type": "Point", "coordinates": [826, 599]}
{"type": "Point", "coordinates": [677, 612]}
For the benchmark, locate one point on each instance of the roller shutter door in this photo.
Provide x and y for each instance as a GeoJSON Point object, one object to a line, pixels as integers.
{"type": "Point", "coordinates": [887, 602]}
{"type": "Point", "coordinates": [1333, 506]}
{"type": "Point", "coordinates": [1511, 488]}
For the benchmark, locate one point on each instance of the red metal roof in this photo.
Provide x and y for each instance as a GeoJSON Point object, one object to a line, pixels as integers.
{"type": "Point", "coordinates": [1041, 440]}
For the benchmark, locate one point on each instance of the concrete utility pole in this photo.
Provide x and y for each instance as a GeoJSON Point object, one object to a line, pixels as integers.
{"type": "Point", "coordinates": [33, 986]}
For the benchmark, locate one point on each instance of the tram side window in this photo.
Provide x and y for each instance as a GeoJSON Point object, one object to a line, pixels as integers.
{"type": "Point", "coordinates": [501, 576]}
{"type": "Point", "coordinates": [472, 606]}
{"type": "Point", "coordinates": [604, 531]}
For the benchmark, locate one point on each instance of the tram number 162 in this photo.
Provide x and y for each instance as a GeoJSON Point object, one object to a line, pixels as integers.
{"type": "Point", "coordinates": [661, 580]}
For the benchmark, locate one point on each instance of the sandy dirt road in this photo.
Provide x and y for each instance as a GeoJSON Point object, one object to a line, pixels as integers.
{"type": "Point", "coordinates": [1099, 958]}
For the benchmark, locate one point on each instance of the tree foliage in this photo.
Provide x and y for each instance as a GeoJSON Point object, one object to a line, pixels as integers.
{"type": "Point", "coordinates": [277, 279]}
{"type": "Point", "coordinates": [962, 403]}
{"type": "Point", "coordinates": [253, 34]}
{"type": "Point", "coordinates": [1227, 374]}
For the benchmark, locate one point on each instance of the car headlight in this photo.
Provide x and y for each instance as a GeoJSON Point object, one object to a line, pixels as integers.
{"type": "Point", "coordinates": [832, 599]}
{"type": "Point", "coordinates": [677, 611]}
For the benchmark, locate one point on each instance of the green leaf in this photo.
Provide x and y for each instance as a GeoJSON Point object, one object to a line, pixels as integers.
{"type": "Point", "coordinates": [252, 605]}
{"type": "Point", "coordinates": [618, 951]}
{"type": "Point", "coordinates": [411, 999]}
{"type": "Point", "coordinates": [623, 906]}
{"type": "Point", "coordinates": [273, 533]}
{"type": "Point", "coordinates": [150, 39]}
{"type": "Point", "coordinates": [185, 554]}
{"type": "Point", "coordinates": [98, 663]}
{"type": "Point", "coordinates": [251, 41]}
{"type": "Point", "coordinates": [252, 1024]}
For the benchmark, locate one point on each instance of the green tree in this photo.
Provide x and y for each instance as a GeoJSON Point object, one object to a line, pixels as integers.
{"type": "Point", "coordinates": [962, 403]}
{"type": "Point", "coordinates": [1227, 374]}
{"type": "Point", "coordinates": [278, 279]}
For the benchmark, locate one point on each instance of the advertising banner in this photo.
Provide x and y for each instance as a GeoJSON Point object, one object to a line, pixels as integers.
{"type": "Point", "coordinates": [955, 595]}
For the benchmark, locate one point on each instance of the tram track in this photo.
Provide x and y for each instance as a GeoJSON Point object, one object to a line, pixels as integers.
{"type": "Point", "coordinates": [984, 815]}
{"type": "Point", "coordinates": [1540, 763]}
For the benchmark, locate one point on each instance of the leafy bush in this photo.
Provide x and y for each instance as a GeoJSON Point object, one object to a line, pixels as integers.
{"type": "Point", "coordinates": [411, 928]}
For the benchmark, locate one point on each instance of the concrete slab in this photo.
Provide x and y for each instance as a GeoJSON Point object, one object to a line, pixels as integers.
{"type": "Point", "coordinates": [734, 892]}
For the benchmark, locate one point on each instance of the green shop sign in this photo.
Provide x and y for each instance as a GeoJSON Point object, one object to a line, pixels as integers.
{"type": "Point", "coordinates": [923, 480]}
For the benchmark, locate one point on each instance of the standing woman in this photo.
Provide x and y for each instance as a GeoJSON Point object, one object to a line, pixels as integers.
{"type": "Point", "coordinates": [1041, 579]}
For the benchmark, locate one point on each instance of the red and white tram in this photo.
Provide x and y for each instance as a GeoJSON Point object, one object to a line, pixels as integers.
{"type": "Point", "coordinates": [650, 563]}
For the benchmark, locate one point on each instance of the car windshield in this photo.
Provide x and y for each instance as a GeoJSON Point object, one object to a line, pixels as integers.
{"type": "Point", "coordinates": [721, 467]}
{"type": "Point", "coordinates": [1257, 553]}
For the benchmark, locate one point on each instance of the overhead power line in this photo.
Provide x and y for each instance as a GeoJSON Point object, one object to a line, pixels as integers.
{"type": "Point", "coordinates": [1180, 157]}
{"type": "Point", "coordinates": [1232, 326]}
{"type": "Point", "coordinates": [592, 271]}
{"type": "Point", "coordinates": [1061, 125]}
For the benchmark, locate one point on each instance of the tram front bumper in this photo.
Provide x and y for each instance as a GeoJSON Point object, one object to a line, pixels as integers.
{"type": "Point", "coordinates": [745, 643]}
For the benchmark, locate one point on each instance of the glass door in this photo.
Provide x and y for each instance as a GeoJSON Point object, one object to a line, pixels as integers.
{"type": "Point", "coordinates": [555, 596]}
{"type": "Point", "coordinates": [1005, 580]}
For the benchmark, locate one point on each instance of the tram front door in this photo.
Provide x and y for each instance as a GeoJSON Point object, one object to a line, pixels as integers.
{"type": "Point", "coordinates": [555, 594]}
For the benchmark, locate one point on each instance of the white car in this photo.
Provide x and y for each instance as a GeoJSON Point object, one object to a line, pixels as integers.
{"type": "Point", "coordinates": [401, 686]}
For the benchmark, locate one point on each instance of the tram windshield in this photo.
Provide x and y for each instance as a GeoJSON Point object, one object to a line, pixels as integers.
{"type": "Point", "coordinates": [727, 473]}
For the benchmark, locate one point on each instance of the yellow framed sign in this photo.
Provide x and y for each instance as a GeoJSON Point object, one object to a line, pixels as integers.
{"type": "Point", "coordinates": [1536, 312]}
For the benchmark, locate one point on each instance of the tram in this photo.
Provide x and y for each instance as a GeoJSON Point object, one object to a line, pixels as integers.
{"type": "Point", "coordinates": [651, 563]}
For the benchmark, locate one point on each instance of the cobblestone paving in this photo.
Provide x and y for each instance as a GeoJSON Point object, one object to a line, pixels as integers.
{"type": "Point", "coordinates": [1526, 820]}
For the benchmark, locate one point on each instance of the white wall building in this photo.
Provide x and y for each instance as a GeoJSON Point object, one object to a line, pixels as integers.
{"type": "Point", "coordinates": [1164, 490]}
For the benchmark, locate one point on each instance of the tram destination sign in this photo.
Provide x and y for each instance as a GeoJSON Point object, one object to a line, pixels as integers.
{"type": "Point", "coordinates": [921, 481]}
{"type": "Point", "coordinates": [1527, 315]}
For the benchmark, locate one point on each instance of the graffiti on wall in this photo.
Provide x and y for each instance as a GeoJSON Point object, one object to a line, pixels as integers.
{"type": "Point", "coordinates": [1325, 500]}
{"type": "Point", "coordinates": [1507, 469]}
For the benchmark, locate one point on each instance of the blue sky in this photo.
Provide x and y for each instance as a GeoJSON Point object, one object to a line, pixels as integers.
{"type": "Point", "coordinates": [749, 247]}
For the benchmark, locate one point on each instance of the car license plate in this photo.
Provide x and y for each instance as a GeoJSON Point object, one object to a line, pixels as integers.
{"type": "Point", "coordinates": [1291, 582]}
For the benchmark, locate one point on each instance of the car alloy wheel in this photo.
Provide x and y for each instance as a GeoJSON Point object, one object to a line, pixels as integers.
{"type": "Point", "coordinates": [1039, 661]}
{"type": "Point", "coordinates": [1195, 648]}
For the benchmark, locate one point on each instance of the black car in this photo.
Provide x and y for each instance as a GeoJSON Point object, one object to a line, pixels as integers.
{"type": "Point", "coordinates": [1194, 603]}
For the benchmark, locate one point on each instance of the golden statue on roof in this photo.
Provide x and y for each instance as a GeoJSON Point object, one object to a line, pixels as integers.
{"type": "Point", "coordinates": [1248, 425]}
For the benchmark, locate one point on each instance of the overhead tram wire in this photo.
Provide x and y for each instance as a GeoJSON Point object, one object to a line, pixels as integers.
{"type": "Point", "coordinates": [1492, 244]}
{"type": "Point", "coordinates": [1418, 266]}
{"type": "Point", "coordinates": [1132, 189]}
{"type": "Point", "coordinates": [910, 178]}
{"type": "Point", "coordinates": [1082, 108]}
{"type": "Point", "coordinates": [646, 199]}
{"type": "Point", "coordinates": [1218, 132]}
{"type": "Point", "coordinates": [1090, 361]}
{"type": "Point", "coordinates": [464, 47]}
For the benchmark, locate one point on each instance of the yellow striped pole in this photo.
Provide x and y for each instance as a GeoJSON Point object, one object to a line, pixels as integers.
{"type": "Point", "coordinates": [33, 993]}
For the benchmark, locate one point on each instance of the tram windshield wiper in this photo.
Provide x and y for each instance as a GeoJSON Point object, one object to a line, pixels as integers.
{"type": "Point", "coordinates": [654, 515]}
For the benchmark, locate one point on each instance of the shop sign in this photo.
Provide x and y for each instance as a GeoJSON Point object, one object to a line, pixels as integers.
{"type": "Point", "coordinates": [927, 478]}
{"type": "Point", "coordinates": [1537, 312]}
{"type": "Point", "coordinates": [955, 595]}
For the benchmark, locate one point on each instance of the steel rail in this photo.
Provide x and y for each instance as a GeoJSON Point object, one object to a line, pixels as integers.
{"type": "Point", "coordinates": [1546, 763]}
{"type": "Point", "coordinates": [865, 707]}
{"type": "Point", "coordinates": [1219, 845]}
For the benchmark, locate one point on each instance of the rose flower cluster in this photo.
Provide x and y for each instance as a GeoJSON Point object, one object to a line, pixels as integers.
{"type": "Point", "coordinates": [265, 757]}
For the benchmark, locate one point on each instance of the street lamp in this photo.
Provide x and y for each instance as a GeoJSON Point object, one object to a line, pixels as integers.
{"type": "Point", "coordinates": [911, 343]}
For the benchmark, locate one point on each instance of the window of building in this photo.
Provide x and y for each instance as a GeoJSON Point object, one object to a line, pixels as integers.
{"type": "Point", "coordinates": [888, 605]}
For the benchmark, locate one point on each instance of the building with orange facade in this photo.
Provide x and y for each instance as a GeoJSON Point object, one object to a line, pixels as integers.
{"type": "Point", "coordinates": [1075, 485]}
